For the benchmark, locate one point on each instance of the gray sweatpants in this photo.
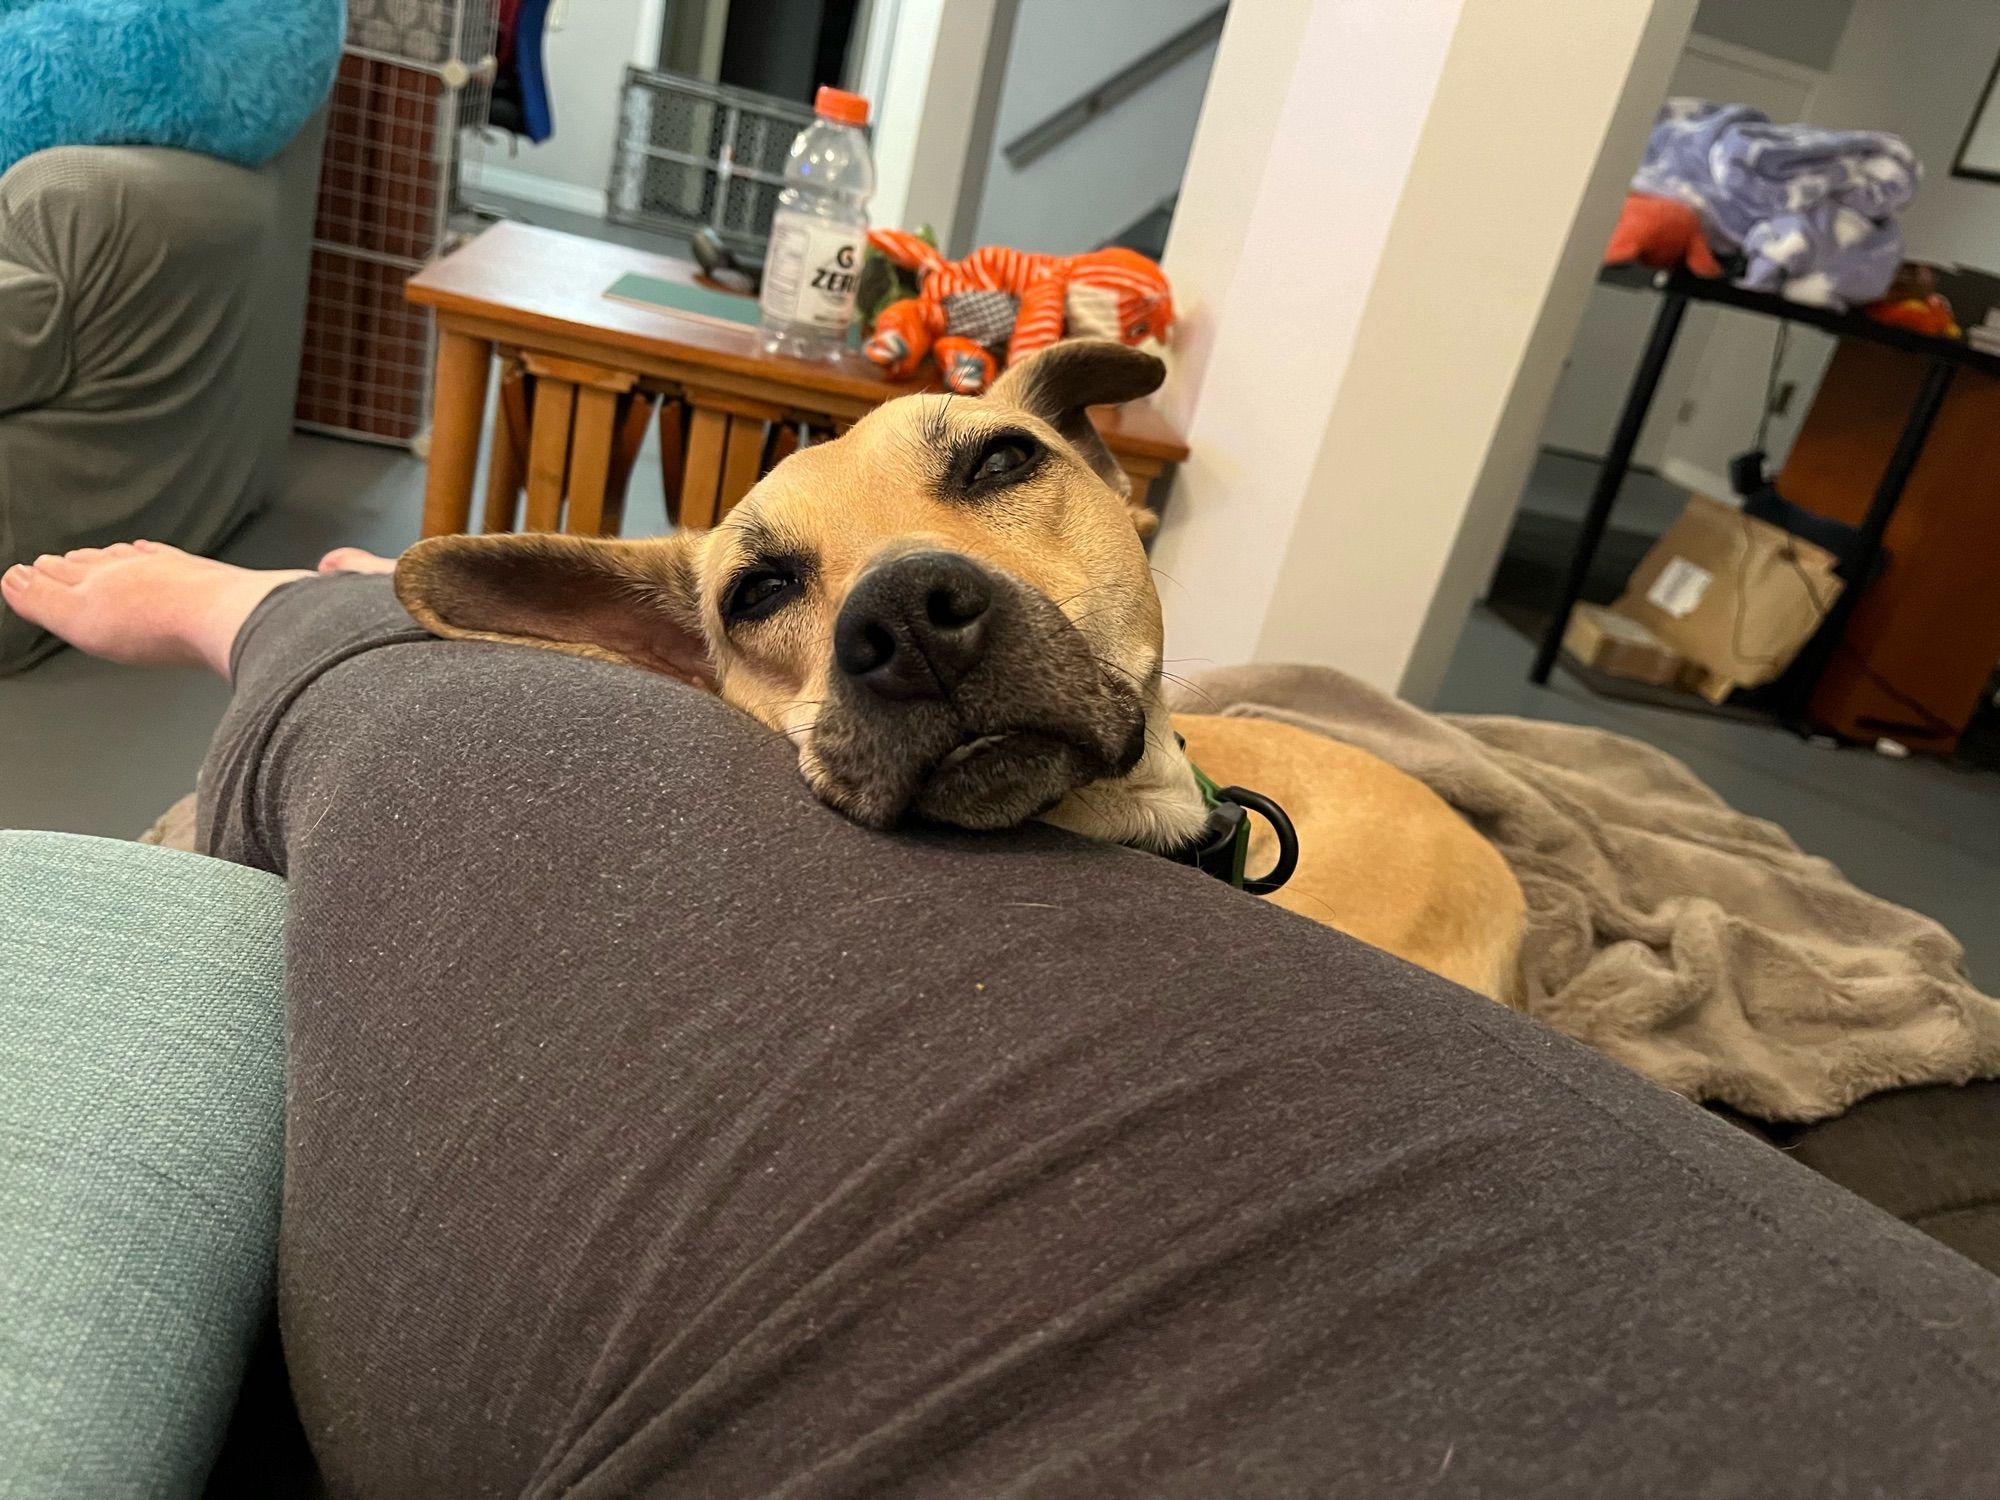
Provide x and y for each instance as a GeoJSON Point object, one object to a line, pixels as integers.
{"type": "Point", "coordinates": [653, 1130]}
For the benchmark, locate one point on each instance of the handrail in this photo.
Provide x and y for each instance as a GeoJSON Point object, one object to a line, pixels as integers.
{"type": "Point", "coordinates": [1037, 141]}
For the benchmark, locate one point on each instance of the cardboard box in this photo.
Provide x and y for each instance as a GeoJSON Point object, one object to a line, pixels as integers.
{"type": "Point", "coordinates": [1603, 639]}
{"type": "Point", "coordinates": [1736, 596]}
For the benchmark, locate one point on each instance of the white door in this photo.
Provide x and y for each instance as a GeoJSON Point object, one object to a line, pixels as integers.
{"type": "Point", "coordinates": [1720, 355]}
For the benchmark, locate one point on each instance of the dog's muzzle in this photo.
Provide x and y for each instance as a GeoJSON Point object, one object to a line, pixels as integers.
{"type": "Point", "coordinates": [964, 693]}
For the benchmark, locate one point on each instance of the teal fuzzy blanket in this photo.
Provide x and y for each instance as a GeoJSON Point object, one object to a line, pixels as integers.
{"type": "Point", "coordinates": [229, 78]}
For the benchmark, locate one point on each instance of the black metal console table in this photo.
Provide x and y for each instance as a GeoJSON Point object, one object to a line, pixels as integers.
{"type": "Point", "coordinates": [1678, 289]}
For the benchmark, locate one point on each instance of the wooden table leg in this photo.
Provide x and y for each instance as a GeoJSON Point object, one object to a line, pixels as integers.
{"type": "Point", "coordinates": [784, 442]}
{"type": "Point", "coordinates": [548, 453]}
{"type": "Point", "coordinates": [701, 477]}
{"type": "Point", "coordinates": [635, 416]}
{"type": "Point", "coordinates": [590, 459]}
{"type": "Point", "coordinates": [673, 454]}
{"type": "Point", "coordinates": [743, 461]}
{"type": "Point", "coordinates": [458, 411]}
{"type": "Point", "coordinates": [503, 459]}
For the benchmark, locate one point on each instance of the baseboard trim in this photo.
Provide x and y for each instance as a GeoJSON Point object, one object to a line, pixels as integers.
{"type": "Point", "coordinates": [1593, 458]}
{"type": "Point", "coordinates": [480, 175]}
{"type": "Point", "coordinates": [1698, 480]}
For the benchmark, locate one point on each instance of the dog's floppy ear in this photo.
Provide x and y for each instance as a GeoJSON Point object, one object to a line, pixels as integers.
{"type": "Point", "coordinates": [1063, 381]}
{"type": "Point", "coordinates": [628, 601]}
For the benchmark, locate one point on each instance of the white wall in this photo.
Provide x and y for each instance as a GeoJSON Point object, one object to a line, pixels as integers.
{"type": "Point", "coordinates": [931, 72]}
{"type": "Point", "coordinates": [1347, 491]}
{"type": "Point", "coordinates": [1806, 32]}
{"type": "Point", "coordinates": [586, 67]}
{"type": "Point", "coordinates": [1118, 167]}
{"type": "Point", "coordinates": [1917, 67]}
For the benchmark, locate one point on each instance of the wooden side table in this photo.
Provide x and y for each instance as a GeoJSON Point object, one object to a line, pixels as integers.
{"type": "Point", "coordinates": [583, 374]}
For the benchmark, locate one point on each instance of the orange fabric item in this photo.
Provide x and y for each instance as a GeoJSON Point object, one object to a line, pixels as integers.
{"type": "Point", "coordinates": [1930, 315]}
{"type": "Point", "coordinates": [966, 367]}
{"type": "Point", "coordinates": [1662, 233]}
{"type": "Point", "coordinates": [902, 338]}
{"type": "Point", "coordinates": [905, 331]}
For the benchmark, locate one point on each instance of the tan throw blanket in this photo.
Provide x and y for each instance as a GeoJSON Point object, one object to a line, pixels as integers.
{"type": "Point", "coordinates": [1694, 944]}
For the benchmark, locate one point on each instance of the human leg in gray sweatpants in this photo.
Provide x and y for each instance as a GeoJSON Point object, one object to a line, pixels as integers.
{"type": "Point", "coordinates": [654, 1130]}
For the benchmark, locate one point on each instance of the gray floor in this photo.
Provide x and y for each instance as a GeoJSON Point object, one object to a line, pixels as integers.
{"type": "Point", "coordinates": [93, 748]}
{"type": "Point", "coordinates": [88, 747]}
{"type": "Point", "coordinates": [1560, 485]}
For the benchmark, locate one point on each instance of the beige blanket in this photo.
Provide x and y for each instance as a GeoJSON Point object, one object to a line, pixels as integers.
{"type": "Point", "coordinates": [1684, 939]}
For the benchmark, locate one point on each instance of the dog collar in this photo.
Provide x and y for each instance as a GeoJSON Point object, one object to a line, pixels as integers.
{"type": "Point", "coordinates": [1223, 845]}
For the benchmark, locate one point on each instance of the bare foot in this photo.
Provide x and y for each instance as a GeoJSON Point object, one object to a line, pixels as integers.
{"type": "Point", "coordinates": [142, 603]}
{"type": "Point", "coordinates": [354, 560]}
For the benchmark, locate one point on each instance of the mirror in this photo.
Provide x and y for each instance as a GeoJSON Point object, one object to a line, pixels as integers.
{"type": "Point", "coordinates": [1979, 153]}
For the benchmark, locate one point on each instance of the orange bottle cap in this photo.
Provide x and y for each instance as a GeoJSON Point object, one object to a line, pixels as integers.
{"type": "Point", "coordinates": [840, 106]}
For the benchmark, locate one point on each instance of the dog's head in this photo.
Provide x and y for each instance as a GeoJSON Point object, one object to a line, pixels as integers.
{"type": "Point", "coordinates": [947, 610]}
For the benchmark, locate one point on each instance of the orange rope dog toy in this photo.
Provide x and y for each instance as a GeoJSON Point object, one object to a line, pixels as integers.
{"type": "Point", "coordinates": [966, 309]}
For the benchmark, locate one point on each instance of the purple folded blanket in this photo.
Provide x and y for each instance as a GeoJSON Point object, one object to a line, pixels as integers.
{"type": "Point", "coordinates": [1812, 210]}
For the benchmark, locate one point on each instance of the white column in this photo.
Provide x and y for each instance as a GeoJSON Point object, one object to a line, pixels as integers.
{"type": "Point", "coordinates": [926, 120]}
{"type": "Point", "coordinates": [652, 20]}
{"type": "Point", "coordinates": [1388, 229]}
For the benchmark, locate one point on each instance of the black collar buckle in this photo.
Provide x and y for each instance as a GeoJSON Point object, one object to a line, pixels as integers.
{"type": "Point", "coordinates": [1223, 847]}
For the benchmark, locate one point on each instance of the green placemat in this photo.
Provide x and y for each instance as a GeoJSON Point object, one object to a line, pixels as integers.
{"type": "Point", "coordinates": [684, 298]}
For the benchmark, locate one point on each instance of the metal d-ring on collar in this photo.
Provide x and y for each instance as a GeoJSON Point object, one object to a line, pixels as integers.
{"type": "Point", "coordinates": [1224, 844]}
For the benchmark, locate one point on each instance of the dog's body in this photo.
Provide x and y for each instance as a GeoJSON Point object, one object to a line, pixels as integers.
{"type": "Point", "coordinates": [1381, 856]}
{"type": "Point", "coordinates": [948, 612]}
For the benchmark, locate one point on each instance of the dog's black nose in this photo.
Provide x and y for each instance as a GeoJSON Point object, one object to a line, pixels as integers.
{"type": "Point", "coordinates": [915, 626]}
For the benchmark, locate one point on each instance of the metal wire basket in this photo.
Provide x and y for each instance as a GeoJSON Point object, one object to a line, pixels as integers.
{"type": "Point", "coordinates": [691, 154]}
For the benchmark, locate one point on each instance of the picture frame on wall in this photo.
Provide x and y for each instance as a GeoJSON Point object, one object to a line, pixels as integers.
{"type": "Point", "coordinates": [1979, 152]}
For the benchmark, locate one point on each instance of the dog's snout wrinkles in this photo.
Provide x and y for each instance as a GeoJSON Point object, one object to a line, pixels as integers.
{"type": "Point", "coordinates": [914, 627]}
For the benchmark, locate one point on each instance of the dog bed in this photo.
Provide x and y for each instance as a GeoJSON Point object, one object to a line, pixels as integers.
{"type": "Point", "coordinates": [228, 78]}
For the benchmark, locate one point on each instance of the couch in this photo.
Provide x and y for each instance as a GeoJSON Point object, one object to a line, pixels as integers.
{"type": "Point", "coordinates": [141, 1149]}
{"type": "Point", "coordinates": [152, 304]}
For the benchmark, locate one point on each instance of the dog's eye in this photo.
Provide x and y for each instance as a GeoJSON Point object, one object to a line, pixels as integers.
{"type": "Point", "coordinates": [759, 592]}
{"type": "Point", "coordinates": [1002, 458]}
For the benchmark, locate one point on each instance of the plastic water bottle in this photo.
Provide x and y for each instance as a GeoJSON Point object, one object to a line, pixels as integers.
{"type": "Point", "coordinates": [820, 231]}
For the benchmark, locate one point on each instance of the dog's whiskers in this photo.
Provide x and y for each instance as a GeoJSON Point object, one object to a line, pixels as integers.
{"type": "Point", "coordinates": [1163, 573]}
{"type": "Point", "coordinates": [1094, 588]}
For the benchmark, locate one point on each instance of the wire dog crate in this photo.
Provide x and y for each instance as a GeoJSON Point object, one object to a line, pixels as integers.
{"type": "Point", "coordinates": [413, 75]}
{"type": "Point", "coordinates": [691, 154]}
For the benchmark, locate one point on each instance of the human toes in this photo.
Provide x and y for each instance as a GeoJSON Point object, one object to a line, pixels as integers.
{"type": "Point", "coordinates": [355, 560]}
{"type": "Point", "coordinates": [34, 594]}
{"type": "Point", "coordinates": [59, 569]}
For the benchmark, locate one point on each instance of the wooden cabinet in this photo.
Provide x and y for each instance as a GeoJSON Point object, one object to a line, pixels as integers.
{"type": "Point", "coordinates": [1923, 640]}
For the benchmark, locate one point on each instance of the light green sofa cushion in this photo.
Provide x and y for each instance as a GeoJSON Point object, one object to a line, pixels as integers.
{"type": "Point", "coordinates": [141, 1135]}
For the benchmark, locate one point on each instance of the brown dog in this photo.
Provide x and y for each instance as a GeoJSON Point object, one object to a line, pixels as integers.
{"type": "Point", "coordinates": [948, 612]}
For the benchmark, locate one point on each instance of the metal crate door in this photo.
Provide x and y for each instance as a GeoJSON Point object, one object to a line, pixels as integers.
{"type": "Point", "coordinates": [692, 154]}
{"type": "Point", "coordinates": [414, 75]}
